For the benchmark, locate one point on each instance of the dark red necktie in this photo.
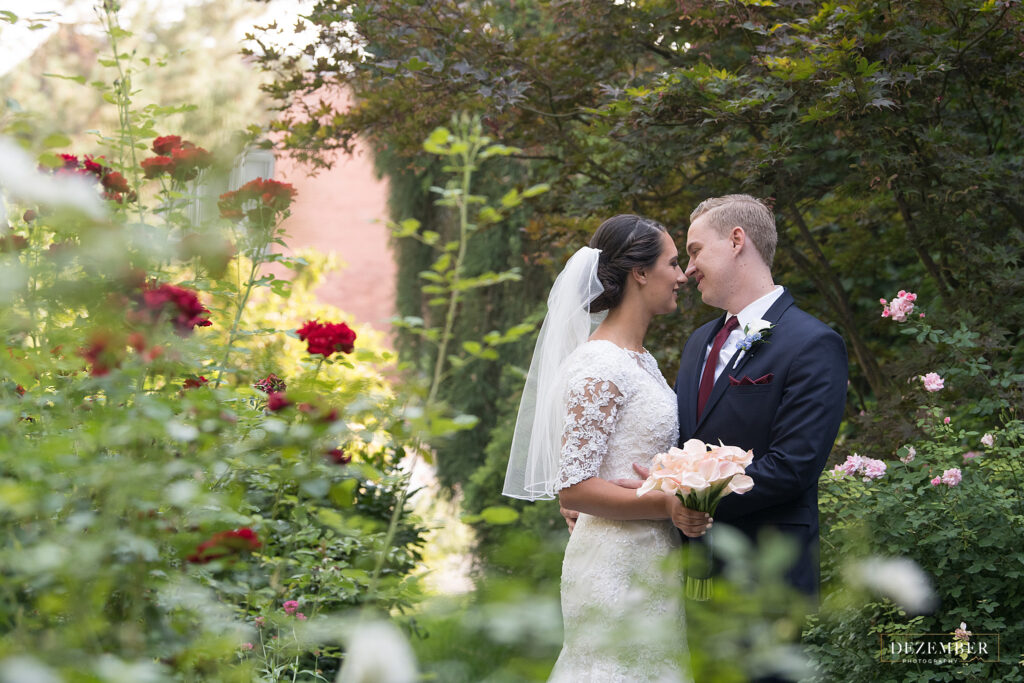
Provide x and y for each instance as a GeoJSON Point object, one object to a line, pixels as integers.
{"type": "Point", "coordinates": [707, 380]}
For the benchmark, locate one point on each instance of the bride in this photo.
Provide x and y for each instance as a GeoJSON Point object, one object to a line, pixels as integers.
{"type": "Point", "coordinates": [594, 404]}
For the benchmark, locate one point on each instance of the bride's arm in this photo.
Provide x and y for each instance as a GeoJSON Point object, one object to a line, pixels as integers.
{"type": "Point", "coordinates": [591, 417]}
{"type": "Point", "coordinates": [592, 409]}
{"type": "Point", "coordinates": [601, 498]}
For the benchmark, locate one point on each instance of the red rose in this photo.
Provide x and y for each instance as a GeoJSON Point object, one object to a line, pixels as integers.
{"type": "Point", "coordinates": [137, 341]}
{"type": "Point", "coordinates": [94, 167]}
{"type": "Point", "coordinates": [277, 401]}
{"type": "Point", "coordinates": [194, 382]}
{"type": "Point", "coordinates": [100, 353]}
{"type": "Point", "coordinates": [20, 389]}
{"type": "Point", "coordinates": [70, 162]}
{"type": "Point", "coordinates": [338, 456]}
{"type": "Point", "coordinates": [224, 543]}
{"type": "Point", "coordinates": [9, 243]}
{"type": "Point", "coordinates": [115, 182]}
{"type": "Point", "coordinates": [188, 161]}
{"type": "Point", "coordinates": [166, 144]}
{"type": "Point", "coordinates": [271, 384]}
{"type": "Point", "coordinates": [326, 338]}
{"type": "Point", "coordinates": [270, 193]}
{"type": "Point", "coordinates": [182, 305]}
{"type": "Point", "coordinates": [154, 167]}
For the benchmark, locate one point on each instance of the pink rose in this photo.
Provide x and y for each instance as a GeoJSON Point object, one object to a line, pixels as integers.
{"type": "Point", "coordinates": [988, 440]}
{"type": "Point", "coordinates": [951, 477]}
{"type": "Point", "coordinates": [970, 455]}
{"type": "Point", "coordinates": [868, 468]}
{"type": "Point", "coordinates": [911, 454]}
{"type": "Point", "coordinates": [873, 469]}
{"type": "Point", "coordinates": [936, 481]}
{"type": "Point", "coordinates": [290, 606]}
{"type": "Point", "coordinates": [932, 381]}
{"type": "Point", "coordinates": [900, 307]}
{"type": "Point", "coordinates": [946, 420]}
{"type": "Point", "coordinates": [300, 616]}
{"type": "Point", "coordinates": [247, 646]}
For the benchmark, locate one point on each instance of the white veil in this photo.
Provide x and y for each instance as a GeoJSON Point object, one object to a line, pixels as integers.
{"type": "Point", "coordinates": [537, 441]}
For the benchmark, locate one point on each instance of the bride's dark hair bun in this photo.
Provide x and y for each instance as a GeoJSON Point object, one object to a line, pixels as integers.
{"type": "Point", "coordinates": [626, 242]}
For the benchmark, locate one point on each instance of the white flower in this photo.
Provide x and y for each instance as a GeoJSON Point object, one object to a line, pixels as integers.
{"type": "Point", "coordinates": [378, 653]}
{"type": "Point", "coordinates": [898, 578]}
{"type": "Point", "coordinates": [759, 325]}
{"type": "Point", "coordinates": [988, 440]}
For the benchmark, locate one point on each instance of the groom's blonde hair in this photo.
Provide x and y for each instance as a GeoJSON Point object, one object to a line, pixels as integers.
{"type": "Point", "coordinates": [732, 210]}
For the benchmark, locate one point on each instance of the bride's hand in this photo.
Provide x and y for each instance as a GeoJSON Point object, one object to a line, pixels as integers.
{"type": "Point", "coordinates": [692, 523]}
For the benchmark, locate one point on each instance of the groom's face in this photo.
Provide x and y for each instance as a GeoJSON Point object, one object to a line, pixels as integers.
{"type": "Point", "coordinates": [711, 260]}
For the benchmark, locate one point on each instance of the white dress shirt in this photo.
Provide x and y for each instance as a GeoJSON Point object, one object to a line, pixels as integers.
{"type": "Point", "coordinates": [755, 310]}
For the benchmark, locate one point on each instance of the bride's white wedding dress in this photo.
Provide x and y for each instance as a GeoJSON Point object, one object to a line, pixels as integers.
{"type": "Point", "coordinates": [623, 619]}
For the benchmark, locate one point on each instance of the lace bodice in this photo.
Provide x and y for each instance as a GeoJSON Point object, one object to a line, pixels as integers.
{"type": "Point", "coordinates": [619, 410]}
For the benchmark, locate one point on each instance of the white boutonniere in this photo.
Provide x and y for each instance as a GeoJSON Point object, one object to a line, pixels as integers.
{"type": "Point", "coordinates": [755, 333]}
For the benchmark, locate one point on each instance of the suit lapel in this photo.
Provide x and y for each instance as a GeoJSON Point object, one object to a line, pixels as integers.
{"type": "Point", "coordinates": [733, 366]}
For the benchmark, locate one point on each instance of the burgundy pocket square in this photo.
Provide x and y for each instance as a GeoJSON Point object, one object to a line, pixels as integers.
{"type": "Point", "coordinates": [746, 381]}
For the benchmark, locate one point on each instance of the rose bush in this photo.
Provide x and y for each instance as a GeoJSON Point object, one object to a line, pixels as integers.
{"type": "Point", "coordinates": [950, 502]}
{"type": "Point", "coordinates": [156, 511]}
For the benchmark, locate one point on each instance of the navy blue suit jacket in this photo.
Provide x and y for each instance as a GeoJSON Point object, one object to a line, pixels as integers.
{"type": "Point", "coordinates": [790, 422]}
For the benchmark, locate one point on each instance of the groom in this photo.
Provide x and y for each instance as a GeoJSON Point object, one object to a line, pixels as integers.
{"type": "Point", "coordinates": [781, 395]}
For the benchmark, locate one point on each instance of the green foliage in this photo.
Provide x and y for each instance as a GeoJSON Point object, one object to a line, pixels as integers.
{"type": "Point", "coordinates": [886, 135]}
{"type": "Point", "coordinates": [489, 307]}
{"type": "Point", "coordinates": [964, 535]}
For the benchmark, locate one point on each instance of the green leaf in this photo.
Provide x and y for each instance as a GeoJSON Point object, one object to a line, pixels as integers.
{"type": "Point", "coordinates": [343, 494]}
{"type": "Point", "coordinates": [416, 64]}
{"type": "Point", "coordinates": [498, 150]}
{"type": "Point", "coordinates": [77, 79]}
{"type": "Point", "coordinates": [511, 198]}
{"type": "Point", "coordinates": [50, 160]}
{"type": "Point", "coordinates": [488, 215]}
{"type": "Point", "coordinates": [437, 140]}
{"type": "Point", "coordinates": [535, 190]}
{"type": "Point", "coordinates": [499, 514]}
{"type": "Point", "coordinates": [407, 227]}
{"type": "Point", "coordinates": [56, 140]}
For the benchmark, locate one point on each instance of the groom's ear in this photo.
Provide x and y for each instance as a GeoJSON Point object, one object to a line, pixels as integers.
{"type": "Point", "coordinates": [738, 237]}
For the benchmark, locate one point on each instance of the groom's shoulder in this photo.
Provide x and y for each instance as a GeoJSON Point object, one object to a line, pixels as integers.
{"type": "Point", "coordinates": [797, 320]}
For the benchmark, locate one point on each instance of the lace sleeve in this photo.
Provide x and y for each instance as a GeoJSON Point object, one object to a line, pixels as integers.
{"type": "Point", "coordinates": [592, 406]}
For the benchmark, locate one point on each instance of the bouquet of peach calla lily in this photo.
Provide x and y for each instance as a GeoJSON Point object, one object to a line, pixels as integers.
{"type": "Point", "coordinates": [700, 475]}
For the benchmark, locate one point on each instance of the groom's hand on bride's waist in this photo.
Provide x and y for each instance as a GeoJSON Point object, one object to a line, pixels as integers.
{"type": "Point", "coordinates": [633, 483]}
{"type": "Point", "coordinates": [570, 517]}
